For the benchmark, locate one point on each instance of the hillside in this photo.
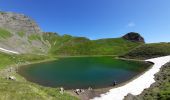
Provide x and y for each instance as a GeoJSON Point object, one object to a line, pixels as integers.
{"type": "Point", "coordinates": [69, 45]}
{"type": "Point", "coordinates": [21, 34]}
{"type": "Point", "coordinates": [146, 51]}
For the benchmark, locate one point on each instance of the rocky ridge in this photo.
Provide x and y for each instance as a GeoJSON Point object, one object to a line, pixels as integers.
{"type": "Point", "coordinates": [21, 34]}
{"type": "Point", "coordinates": [18, 22]}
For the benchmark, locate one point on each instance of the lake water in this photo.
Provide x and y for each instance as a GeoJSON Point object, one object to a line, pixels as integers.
{"type": "Point", "coordinates": [82, 72]}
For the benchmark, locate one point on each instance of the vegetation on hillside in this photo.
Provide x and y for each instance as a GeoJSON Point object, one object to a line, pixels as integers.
{"type": "Point", "coordinates": [23, 42]}
{"type": "Point", "coordinates": [21, 89]}
{"type": "Point", "coordinates": [146, 51]}
{"type": "Point", "coordinates": [16, 90]}
{"type": "Point", "coordinates": [4, 34]}
{"type": "Point", "coordinates": [21, 34]}
{"type": "Point", "coordinates": [69, 45]}
{"type": "Point", "coordinates": [34, 37]}
{"type": "Point", "coordinates": [8, 59]}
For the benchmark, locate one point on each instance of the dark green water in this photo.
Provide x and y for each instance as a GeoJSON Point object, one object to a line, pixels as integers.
{"type": "Point", "coordinates": [82, 72]}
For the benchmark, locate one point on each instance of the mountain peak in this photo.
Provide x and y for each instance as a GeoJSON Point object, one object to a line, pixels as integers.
{"type": "Point", "coordinates": [18, 22]}
{"type": "Point", "coordinates": [133, 36]}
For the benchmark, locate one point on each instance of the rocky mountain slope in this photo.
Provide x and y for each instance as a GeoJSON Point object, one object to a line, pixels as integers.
{"type": "Point", "coordinates": [21, 34]}
{"type": "Point", "coordinates": [18, 22]}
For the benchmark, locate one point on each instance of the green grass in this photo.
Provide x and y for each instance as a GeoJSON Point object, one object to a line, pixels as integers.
{"type": "Point", "coordinates": [6, 60]}
{"type": "Point", "coordinates": [146, 51]}
{"type": "Point", "coordinates": [34, 37]}
{"type": "Point", "coordinates": [34, 58]}
{"type": "Point", "coordinates": [14, 90]}
{"type": "Point", "coordinates": [73, 46]}
{"type": "Point", "coordinates": [24, 90]}
{"type": "Point", "coordinates": [4, 34]}
{"type": "Point", "coordinates": [96, 47]}
{"type": "Point", "coordinates": [21, 34]}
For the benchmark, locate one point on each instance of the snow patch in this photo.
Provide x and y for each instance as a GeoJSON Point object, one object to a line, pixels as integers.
{"type": "Point", "coordinates": [8, 51]}
{"type": "Point", "coordinates": [136, 86]}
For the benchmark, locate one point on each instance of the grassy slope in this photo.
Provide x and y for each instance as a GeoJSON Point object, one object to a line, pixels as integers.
{"type": "Point", "coordinates": [6, 60]}
{"type": "Point", "coordinates": [21, 89]}
{"type": "Point", "coordinates": [149, 51]}
{"type": "Point", "coordinates": [14, 90]}
{"type": "Point", "coordinates": [9, 59]}
{"type": "Point", "coordinates": [68, 45]}
{"type": "Point", "coordinates": [4, 34]}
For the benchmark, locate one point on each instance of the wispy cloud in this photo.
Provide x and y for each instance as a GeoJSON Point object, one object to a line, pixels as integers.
{"type": "Point", "coordinates": [131, 24]}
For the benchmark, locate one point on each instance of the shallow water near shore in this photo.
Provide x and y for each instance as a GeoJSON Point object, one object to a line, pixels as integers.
{"type": "Point", "coordinates": [82, 72]}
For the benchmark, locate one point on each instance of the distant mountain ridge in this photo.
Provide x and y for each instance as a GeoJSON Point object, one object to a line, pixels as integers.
{"type": "Point", "coordinates": [21, 34]}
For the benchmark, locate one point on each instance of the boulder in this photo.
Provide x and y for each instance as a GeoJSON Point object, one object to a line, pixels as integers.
{"type": "Point", "coordinates": [62, 90]}
{"type": "Point", "coordinates": [12, 78]}
{"type": "Point", "coordinates": [130, 97]}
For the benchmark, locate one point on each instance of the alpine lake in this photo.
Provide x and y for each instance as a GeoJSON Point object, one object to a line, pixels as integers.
{"type": "Point", "coordinates": [82, 72]}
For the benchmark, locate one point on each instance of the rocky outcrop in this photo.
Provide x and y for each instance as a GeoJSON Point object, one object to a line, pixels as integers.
{"type": "Point", "coordinates": [133, 36]}
{"type": "Point", "coordinates": [18, 22]}
{"type": "Point", "coordinates": [21, 34]}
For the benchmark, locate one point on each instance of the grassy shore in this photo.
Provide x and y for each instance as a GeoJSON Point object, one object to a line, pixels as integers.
{"type": "Point", "coordinates": [22, 89]}
{"type": "Point", "coordinates": [22, 60]}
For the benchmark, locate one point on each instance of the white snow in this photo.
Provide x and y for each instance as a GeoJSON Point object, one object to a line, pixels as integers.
{"type": "Point", "coordinates": [8, 51]}
{"type": "Point", "coordinates": [136, 86]}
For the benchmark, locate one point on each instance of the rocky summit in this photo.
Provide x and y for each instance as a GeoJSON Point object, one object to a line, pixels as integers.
{"type": "Point", "coordinates": [21, 34]}
{"type": "Point", "coordinates": [133, 36]}
{"type": "Point", "coordinates": [18, 22]}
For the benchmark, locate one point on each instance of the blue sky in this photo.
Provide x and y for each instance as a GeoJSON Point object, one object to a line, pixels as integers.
{"type": "Point", "coordinates": [98, 18]}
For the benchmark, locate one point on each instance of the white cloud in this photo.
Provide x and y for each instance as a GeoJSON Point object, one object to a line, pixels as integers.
{"type": "Point", "coordinates": [131, 24]}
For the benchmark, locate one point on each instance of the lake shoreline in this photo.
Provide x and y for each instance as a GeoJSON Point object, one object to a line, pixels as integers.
{"type": "Point", "coordinates": [148, 77]}
{"type": "Point", "coordinates": [96, 92]}
{"type": "Point", "coordinates": [13, 69]}
{"type": "Point", "coordinates": [88, 94]}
